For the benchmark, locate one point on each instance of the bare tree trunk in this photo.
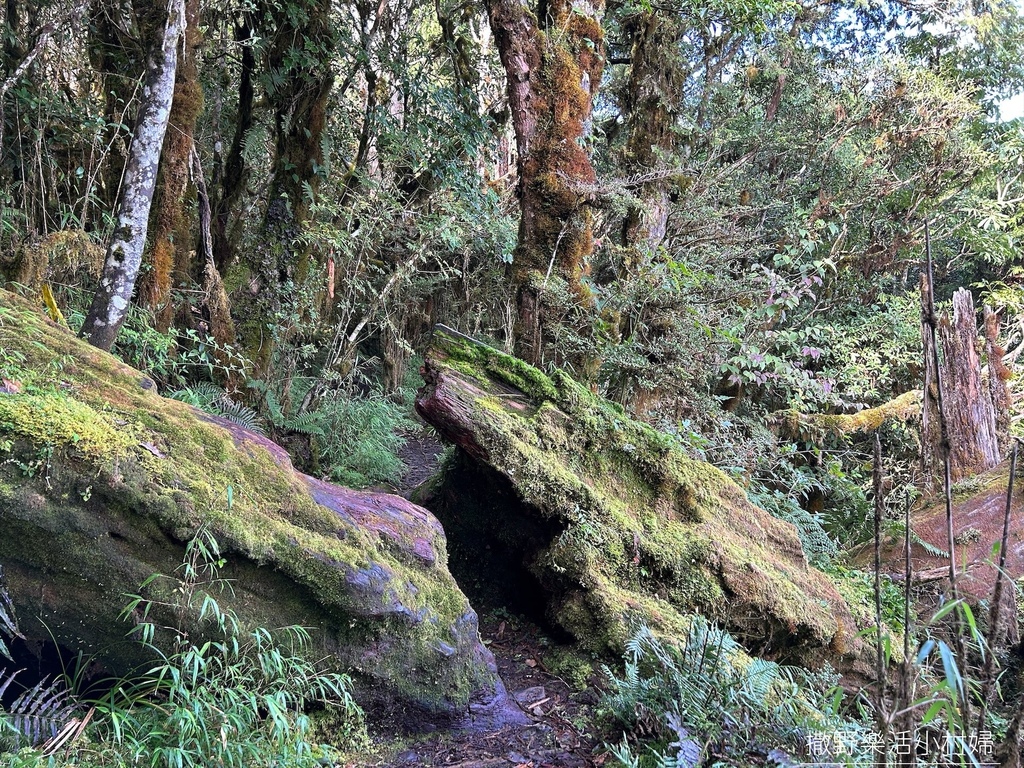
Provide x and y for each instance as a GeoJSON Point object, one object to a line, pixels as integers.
{"type": "Point", "coordinates": [974, 444]}
{"type": "Point", "coordinates": [976, 410]}
{"type": "Point", "coordinates": [998, 375]}
{"type": "Point", "coordinates": [553, 61]}
{"type": "Point", "coordinates": [124, 254]}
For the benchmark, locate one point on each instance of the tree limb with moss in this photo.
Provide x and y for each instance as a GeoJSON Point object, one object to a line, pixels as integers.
{"type": "Point", "coordinates": [810, 426]}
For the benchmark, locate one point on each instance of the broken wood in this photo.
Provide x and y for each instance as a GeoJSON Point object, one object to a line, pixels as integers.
{"type": "Point", "coordinates": [976, 406]}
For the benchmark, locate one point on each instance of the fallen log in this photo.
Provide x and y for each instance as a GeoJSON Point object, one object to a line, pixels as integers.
{"type": "Point", "coordinates": [813, 426]}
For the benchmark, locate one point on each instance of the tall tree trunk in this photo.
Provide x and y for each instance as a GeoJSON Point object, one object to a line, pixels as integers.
{"type": "Point", "coordinates": [654, 91]}
{"type": "Point", "coordinates": [553, 61]}
{"type": "Point", "coordinates": [114, 52]}
{"type": "Point", "coordinates": [998, 375]}
{"type": "Point", "coordinates": [300, 66]}
{"type": "Point", "coordinates": [235, 173]}
{"type": "Point", "coordinates": [124, 254]}
{"type": "Point", "coordinates": [300, 116]}
{"type": "Point", "coordinates": [172, 237]}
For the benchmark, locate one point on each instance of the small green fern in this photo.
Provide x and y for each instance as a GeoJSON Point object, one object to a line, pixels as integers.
{"type": "Point", "coordinates": [212, 399]}
{"type": "Point", "coordinates": [818, 546]}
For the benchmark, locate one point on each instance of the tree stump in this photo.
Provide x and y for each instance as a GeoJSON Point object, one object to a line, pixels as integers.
{"type": "Point", "coordinates": [973, 400]}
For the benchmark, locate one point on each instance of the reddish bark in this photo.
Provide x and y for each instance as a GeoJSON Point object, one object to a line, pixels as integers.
{"type": "Point", "coordinates": [172, 236]}
{"type": "Point", "coordinates": [973, 407]}
{"type": "Point", "coordinates": [553, 60]}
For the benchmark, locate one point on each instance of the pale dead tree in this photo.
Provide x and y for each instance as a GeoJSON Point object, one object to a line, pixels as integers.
{"type": "Point", "coordinates": [124, 254]}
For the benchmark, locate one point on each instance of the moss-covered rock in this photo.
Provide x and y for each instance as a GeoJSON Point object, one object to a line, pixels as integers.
{"type": "Point", "coordinates": [607, 519]}
{"type": "Point", "coordinates": [102, 480]}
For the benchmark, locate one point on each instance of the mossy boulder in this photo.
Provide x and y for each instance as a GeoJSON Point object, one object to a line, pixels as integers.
{"type": "Point", "coordinates": [605, 519]}
{"type": "Point", "coordinates": [102, 480]}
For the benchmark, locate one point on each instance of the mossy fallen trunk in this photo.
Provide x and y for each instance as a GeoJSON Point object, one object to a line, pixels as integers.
{"type": "Point", "coordinates": [607, 520]}
{"type": "Point", "coordinates": [102, 480]}
{"type": "Point", "coordinates": [813, 427]}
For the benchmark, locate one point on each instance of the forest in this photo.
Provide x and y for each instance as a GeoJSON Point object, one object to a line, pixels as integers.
{"type": "Point", "coordinates": [507, 383]}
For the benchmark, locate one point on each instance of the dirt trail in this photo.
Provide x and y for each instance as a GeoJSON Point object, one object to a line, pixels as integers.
{"type": "Point", "coordinates": [977, 526]}
{"type": "Point", "coordinates": [554, 735]}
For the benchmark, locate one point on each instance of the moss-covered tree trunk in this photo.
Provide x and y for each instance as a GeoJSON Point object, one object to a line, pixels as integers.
{"type": "Point", "coordinates": [124, 254]}
{"type": "Point", "coordinates": [654, 92]}
{"type": "Point", "coordinates": [234, 174]}
{"type": "Point", "coordinates": [553, 58]}
{"type": "Point", "coordinates": [173, 241]}
{"type": "Point", "coordinates": [300, 67]}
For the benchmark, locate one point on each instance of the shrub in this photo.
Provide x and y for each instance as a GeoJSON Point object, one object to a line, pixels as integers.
{"type": "Point", "coordinates": [361, 438]}
{"type": "Point", "coordinates": [702, 694]}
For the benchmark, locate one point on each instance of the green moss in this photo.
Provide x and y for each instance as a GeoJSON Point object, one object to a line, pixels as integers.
{"type": "Point", "coordinates": [473, 359]}
{"type": "Point", "coordinates": [644, 530]}
{"type": "Point", "coordinates": [99, 411]}
{"type": "Point", "coordinates": [53, 419]}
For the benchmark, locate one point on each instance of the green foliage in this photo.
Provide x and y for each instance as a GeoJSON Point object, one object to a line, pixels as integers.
{"type": "Point", "coordinates": [8, 620]}
{"type": "Point", "coordinates": [172, 359]}
{"type": "Point", "coordinates": [817, 544]}
{"type": "Point", "coordinates": [682, 699]}
{"type": "Point", "coordinates": [361, 438]}
{"type": "Point", "coordinates": [874, 351]}
{"type": "Point", "coordinates": [858, 589]}
{"type": "Point", "coordinates": [214, 400]}
{"type": "Point", "coordinates": [355, 438]}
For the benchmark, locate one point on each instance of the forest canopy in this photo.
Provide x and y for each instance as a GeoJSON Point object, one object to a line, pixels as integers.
{"type": "Point", "coordinates": [709, 212]}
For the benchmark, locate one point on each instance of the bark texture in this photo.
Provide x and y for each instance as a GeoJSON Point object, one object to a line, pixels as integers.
{"type": "Point", "coordinates": [976, 405]}
{"type": "Point", "coordinates": [553, 60]}
{"type": "Point", "coordinates": [234, 174]}
{"type": "Point", "coordinates": [124, 255]}
{"type": "Point", "coordinates": [173, 239]}
{"type": "Point", "coordinates": [654, 92]}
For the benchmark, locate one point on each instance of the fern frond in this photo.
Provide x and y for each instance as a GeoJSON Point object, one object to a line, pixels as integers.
{"type": "Point", "coordinates": [39, 713]}
{"type": "Point", "coordinates": [931, 549]}
{"type": "Point", "coordinates": [242, 415]}
{"type": "Point", "coordinates": [8, 621]}
{"type": "Point", "coordinates": [304, 423]}
{"type": "Point", "coordinates": [200, 394]}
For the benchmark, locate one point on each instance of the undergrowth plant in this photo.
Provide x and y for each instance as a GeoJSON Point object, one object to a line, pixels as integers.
{"type": "Point", "coordinates": [232, 697]}
{"type": "Point", "coordinates": [682, 702]}
{"type": "Point", "coordinates": [362, 437]}
{"type": "Point", "coordinates": [40, 711]}
{"type": "Point", "coordinates": [355, 438]}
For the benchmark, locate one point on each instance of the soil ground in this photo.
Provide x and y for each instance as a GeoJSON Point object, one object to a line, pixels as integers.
{"type": "Point", "coordinates": [559, 718]}
{"type": "Point", "coordinates": [556, 733]}
{"type": "Point", "coordinates": [979, 508]}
